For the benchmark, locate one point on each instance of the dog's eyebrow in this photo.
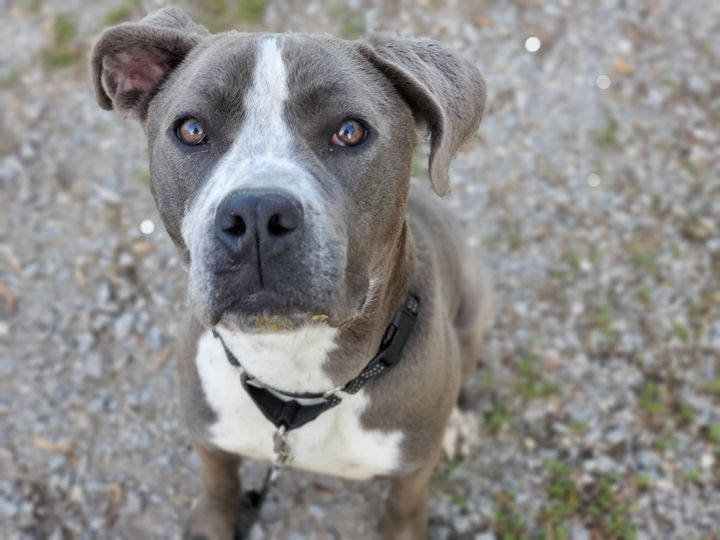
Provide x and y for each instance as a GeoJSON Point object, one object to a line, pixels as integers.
{"type": "Point", "coordinates": [221, 95]}
{"type": "Point", "coordinates": [319, 91]}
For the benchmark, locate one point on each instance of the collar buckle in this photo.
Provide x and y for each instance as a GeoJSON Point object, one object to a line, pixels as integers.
{"type": "Point", "coordinates": [398, 332]}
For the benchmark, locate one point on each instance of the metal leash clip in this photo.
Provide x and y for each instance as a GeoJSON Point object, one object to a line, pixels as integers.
{"type": "Point", "coordinates": [281, 447]}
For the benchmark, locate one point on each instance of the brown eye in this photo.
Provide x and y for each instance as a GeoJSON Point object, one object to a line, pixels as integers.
{"type": "Point", "coordinates": [351, 133]}
{"type": "Point", "coordinates": [191, 132]}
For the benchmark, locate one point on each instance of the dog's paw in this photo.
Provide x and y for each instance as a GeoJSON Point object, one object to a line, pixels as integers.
{"type": "Point", "coordinates": [206, 522]}
{"type": "Point", "coordinates": [461, 434]}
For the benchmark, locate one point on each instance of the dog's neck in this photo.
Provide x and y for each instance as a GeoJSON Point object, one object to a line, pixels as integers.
{"type": "Point", "coordinates": [317, 358]}
{"type": "Point", "coordinates": [358, 340]}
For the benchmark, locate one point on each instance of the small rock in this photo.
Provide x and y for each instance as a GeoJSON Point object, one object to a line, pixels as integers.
{"type": "Point", "coordinates": [615, 436]}
{"type": "Point", "coordinates": [105, 292]}
{"type": "Point", "coordinates": [648, 459]}
{"type": "Point", "coordinates": [124, 325]}
{"type": "Point", "coordinates": [85, 342]}
{"type": "Point", "coordinates": [440, 533]}
{"type": "Point", "coordinates": [126, 260]}
{"type": "Point", "coordinates": [578, 532]}
{"type": "Point", "coordinates": [77, 495]}
{"type": "Point", "coordinates": [27, 152]}
{"type": "Point", "coordinates": [95, 366]}
{"type": "Point", "coordinates": [133, 503]}
{"type": "Point", "coordinates": [317, 511]}
{"type": "Point", "coordinates": [665, 485]}
{"type": "Point", "coordinates": [698, 85]}
{"type": "Point", "coordinates": [623, 67]}
{"type": "Point", "coordinates": [8, 508]}
{"type": "Point", "coordinates": [156, 337]}
{"type": "Point", "coordinates": [462, 523]}
{"type": "Point", "coordinates": [257, 532]}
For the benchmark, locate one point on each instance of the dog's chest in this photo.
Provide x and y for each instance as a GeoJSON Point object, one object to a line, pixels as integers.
{"type": "Point", "coordinates": [335, 443]}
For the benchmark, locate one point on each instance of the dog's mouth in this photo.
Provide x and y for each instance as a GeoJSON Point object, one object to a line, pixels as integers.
{"type": "Point", "coordinates": [270, 324]}
{"type": "Point", "coordinates": [294, 295]}
{"type": "Point", "coordinates": [266, 311]}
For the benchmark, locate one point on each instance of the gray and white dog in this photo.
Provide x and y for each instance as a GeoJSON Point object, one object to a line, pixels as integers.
{"type": "Point", "coordinates": [280, 166]}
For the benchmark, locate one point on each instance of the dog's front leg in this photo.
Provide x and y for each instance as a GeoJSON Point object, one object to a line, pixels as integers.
{"type": "Point", "coordinates": [405, 516]}
{"type": "Point", "coordinates": [215, 515]}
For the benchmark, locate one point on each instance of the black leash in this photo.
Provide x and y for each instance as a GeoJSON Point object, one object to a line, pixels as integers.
{"type": "Point", "coordinates": [250, 505]}
{"type": "Point", "coordinates": [288, 411]}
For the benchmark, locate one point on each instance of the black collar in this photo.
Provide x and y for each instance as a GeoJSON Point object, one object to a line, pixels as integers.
{"type": "Point", "coordinates": [291, 411]}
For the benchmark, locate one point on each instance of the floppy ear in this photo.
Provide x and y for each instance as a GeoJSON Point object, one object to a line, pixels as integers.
{"type": "Point", "coordinates": [131, 60]}
{"type": "Point", "coordinates": [445, 91]}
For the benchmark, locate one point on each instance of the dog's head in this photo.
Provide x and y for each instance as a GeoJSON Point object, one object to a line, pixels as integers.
{"type": "Point", "coordinates": [280, 164]}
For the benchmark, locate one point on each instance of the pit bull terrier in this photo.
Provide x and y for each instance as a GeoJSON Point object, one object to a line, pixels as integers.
{"type": "Point", "coordinates": [335, 309]}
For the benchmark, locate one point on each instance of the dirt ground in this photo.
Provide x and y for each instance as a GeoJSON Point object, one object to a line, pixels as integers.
{"type": "Point", "coordinates": [593, 185]}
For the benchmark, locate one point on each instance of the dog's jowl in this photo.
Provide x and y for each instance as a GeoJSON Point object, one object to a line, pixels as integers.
{"type": "Point", "coordinates": [335, 307]}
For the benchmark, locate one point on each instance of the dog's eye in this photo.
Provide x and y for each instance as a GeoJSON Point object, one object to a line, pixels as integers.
{"type": "Point", "coordinates": [351, 133]}
{"type": "Point", "coordinates": [191, 132]}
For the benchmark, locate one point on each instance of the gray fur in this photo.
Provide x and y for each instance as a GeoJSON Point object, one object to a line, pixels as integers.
{"type": "Point", "coordinates": [400, 236]}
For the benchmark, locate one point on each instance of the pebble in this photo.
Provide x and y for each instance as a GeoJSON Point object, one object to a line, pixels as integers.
{"type": "Point", "coordinates": [615, 436]}
{"type": "Point", "coordinates": [8, 508]}
{"type": "Point", "coordinates": [461, 524]}
{"type": "Point", "coordinates": [156, 337]}
{"type": "Point", "coordinates": [317, 511]}
{"type": "Point", "coordinates": [648, 459]}
{"type": "Point", "coordinates": [440, 533]}
{"type": "Point", "coordinates": [698, 85]}
{"type": "Point", "coordinates": [257, 532]}
{"type": "Point", "coordinates": [123, 325]}
{"type": "Point", "coordinates": [133, 503]}
{"type": "Point", "coordinates": [27, 152]}
{"type": "Point", "coordinates": [95, 365]}
{"type": "Point", "coordinates": [579, 532]}
{"type": "Point", "coordinates": [85, 341]}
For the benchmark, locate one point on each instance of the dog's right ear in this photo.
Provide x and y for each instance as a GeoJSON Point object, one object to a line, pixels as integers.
{"type": "Point", "coordinates": [131, 60]}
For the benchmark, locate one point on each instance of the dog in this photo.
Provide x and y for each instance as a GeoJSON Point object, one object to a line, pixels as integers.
{"type": "Point", "coordinates": [335, 308]}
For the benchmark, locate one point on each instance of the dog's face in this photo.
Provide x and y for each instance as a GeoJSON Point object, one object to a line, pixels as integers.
{"type": "Point", "coordinates": [296, 169]}
{"type": "Point", "coordinates": [280, 164]}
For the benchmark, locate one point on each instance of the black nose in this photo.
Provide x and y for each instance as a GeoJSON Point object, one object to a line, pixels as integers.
{"type": "Point", "coordinates": [246, 218]}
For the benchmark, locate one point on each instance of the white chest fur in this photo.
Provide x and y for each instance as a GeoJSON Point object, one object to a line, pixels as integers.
{"type": "Point", "coordinates": [335, 443]}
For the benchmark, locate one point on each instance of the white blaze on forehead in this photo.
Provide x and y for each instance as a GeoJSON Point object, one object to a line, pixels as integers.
{"type": "Point", "coordinates": [264, 120]}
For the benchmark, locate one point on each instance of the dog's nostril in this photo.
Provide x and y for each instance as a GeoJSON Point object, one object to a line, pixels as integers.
{"type": "Point", "coordinates": [280, 225]}
{"type": "Point", "coordinates": [272, 219]}
{"type": "Point", "coordinates": [235, 226]}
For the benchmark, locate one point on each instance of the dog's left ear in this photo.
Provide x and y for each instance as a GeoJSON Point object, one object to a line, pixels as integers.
{"type": "Point", "coordinates": [131, 60]}
{"type": "Point", "coordinates": [443, 90]}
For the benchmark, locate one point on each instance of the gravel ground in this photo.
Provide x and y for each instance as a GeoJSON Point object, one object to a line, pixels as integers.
{"type": "Point", "coordinates": [599, 210]}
